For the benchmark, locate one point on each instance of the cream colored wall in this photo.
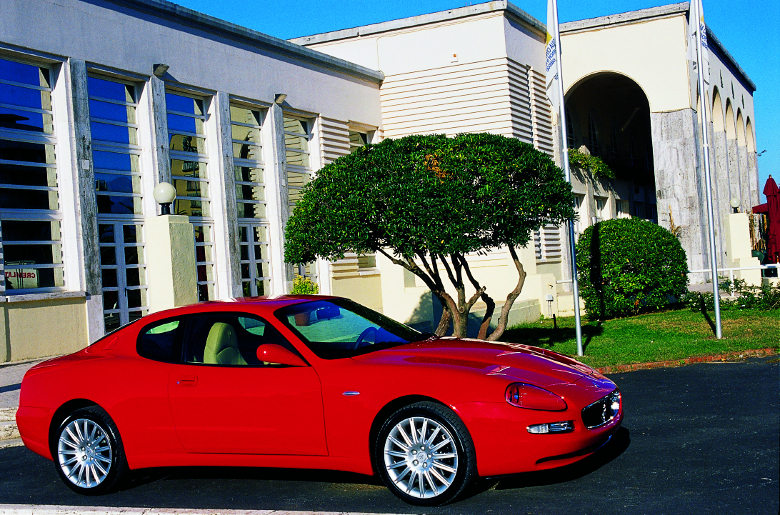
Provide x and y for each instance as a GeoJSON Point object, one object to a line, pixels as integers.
{"type": "Point", "coordinates": [407, 299]}
{"type": "Point", "coordinates": [424, 47]}
{"type": "Point", "coordinates": [362, 286]}
{"type": "Point", "coordinates": [23, 336]}
{"type": "Point", "coordinates": [651, 53]}
{"type": "Point", "coordinates": [738, 249]}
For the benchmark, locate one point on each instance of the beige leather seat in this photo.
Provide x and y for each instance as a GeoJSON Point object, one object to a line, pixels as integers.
{"type": "Point", "coordinates": [222, 346]}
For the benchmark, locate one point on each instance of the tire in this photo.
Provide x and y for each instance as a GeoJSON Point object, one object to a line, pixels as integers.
{"type": "Point", "coordinates": [88, 453]}
{"type": "Point", "coordinates": [424, 454]}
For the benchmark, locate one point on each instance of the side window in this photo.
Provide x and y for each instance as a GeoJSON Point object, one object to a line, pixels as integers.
{"type": "Point", "coordinates": [228, 339]}
{"type": "Point", "coordinates": [253, 325]}
{"type": "Point", "coordinates": [160, 341]}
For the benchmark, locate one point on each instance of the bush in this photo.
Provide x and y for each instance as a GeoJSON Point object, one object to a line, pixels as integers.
{"type": "Point", "coordinates": [629, 266]}
{"type": "Point", "coordinates": [303, 286]}
{"type": "Point", "coordinates": [744, 296]}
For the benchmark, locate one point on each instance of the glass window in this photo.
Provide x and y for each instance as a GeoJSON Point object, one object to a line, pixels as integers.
{"type": "Point", "coordinates": [187, 137]}
{"type": "Point", "coordinates": [186, 115]}
{"type": "Point", "coordinates": [228, 339]}
{"type": "Point", "coordinates": [30, 239]}
{"type": "Point", "coordinates": [357, 140]}
{"type": "Point", "coordinates": [340, 328]}
{"type": "Point", "coordinates": [116, 162]}
{"type": "Point", "coordinates": [246, 125]}
{"type": "Point", "coordinates": [161, 341]}
{"type": "Point", "coordinates": [297, 134]}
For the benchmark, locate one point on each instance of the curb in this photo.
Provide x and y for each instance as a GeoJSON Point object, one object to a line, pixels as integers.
{"type": "Point", "coordinates": [40, 509]}
{"type": "Point", "coordinates": [672, 363]}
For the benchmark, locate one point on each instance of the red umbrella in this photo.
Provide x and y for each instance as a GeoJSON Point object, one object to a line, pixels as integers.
{"type": "Point", "coordinates": [772, 211]}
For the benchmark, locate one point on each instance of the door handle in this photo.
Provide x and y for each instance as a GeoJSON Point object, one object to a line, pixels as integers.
{"type": "Point", "coordinates": [187, 381]}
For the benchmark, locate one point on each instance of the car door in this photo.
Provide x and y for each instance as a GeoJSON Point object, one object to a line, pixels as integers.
{"type": "Point", "coordinates": [239, 404]}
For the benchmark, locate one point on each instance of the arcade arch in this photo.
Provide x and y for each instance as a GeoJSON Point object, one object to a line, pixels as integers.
{"type": "Point", "coordinates": [609, 114]}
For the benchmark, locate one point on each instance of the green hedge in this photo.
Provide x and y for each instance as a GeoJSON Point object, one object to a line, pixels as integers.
{"type": "Point", "coordinates": [628, 266]}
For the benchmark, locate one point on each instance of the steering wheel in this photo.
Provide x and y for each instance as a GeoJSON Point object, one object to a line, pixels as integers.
{"type": "Point", "coordinates": [368, 332]}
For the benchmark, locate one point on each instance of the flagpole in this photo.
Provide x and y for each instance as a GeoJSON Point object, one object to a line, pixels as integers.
{"type": "Point", "coordinates": [552, 11]}
{"type": "Point", "coordinates": [698, 18]}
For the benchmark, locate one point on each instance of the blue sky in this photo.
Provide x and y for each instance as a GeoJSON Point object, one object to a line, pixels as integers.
{"type": "Point", "coordinates": [749, 29]}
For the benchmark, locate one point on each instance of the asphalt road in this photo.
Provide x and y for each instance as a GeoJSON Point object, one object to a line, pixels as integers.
{"type": "Point", "coordinates": [697, 439]}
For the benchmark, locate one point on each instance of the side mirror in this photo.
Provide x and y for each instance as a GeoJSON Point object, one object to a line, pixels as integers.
{"type": "Point", "coordinates": [274, 353]}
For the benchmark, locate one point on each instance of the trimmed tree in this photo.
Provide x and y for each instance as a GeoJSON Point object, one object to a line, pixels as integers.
{"type": "Point", "coordinates": [628, 266]}
{"type": "Point", "coordinates": [425, 202]}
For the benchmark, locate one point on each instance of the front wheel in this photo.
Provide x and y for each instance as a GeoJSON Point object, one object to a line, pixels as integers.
{"type": "Point", "coordinates": [425, 455]}
{"type": "Point", "coordinates": [88, 452]}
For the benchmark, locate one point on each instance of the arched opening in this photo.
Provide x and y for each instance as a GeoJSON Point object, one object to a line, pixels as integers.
{"type": "Point", "coordinates": [609, 114]}
{"type": "Point", "coordinates": [751, 138]}
{"type": "Point", "coordinates": [717, 112]}
{"type": "Point", "coordinates": [740, 129]}
{"type": "Point", "coordinates": [731, 129]}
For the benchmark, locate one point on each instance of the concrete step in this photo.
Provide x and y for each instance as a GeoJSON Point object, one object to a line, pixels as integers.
{"type": "Point", "coordinates": [7, 414]}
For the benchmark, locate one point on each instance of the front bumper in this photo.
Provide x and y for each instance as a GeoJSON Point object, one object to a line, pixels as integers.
{"type": "Point", "coordinates": [504, 446]}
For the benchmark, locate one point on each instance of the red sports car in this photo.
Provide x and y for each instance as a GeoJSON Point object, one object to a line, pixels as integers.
{"type": "Point", "coordinates": [311, 382]}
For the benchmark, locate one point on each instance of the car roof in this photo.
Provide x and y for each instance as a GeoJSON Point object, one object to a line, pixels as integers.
{"type": "Point", "coordinates": [258, 304]}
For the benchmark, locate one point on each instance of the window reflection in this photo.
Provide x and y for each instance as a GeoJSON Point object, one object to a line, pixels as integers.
{"type": "Point", "coordinates": [116, 164]}
{"type": "Point", "coordinates": [30, 236]}
{"type": "Point", "coordinates": [246, 132]}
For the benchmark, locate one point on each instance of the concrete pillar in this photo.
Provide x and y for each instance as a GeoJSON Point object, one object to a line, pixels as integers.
{"type": "Point", "coordinates": [85, 186]}
{"type": "Point", "coordinates": [227, 276]}
{"type": "Point", "coordinates": [678, 186]}
{"type": "Point", "coordinates": [278, 208]}
{"type": "Point", "coordinates": [744, 178]}
{"type": "Point", "coordinates": [734, 171]}
{"type": "Point", "coordinates": [755, 188]}
{"type": "Point", "coordinates": [161, 156]}
{"type": "Point", "coordinates": [720, 178]}
{"type": "Point", "coordinates": [170, 256]}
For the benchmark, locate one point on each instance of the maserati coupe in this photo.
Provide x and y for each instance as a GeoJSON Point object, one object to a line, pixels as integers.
{"type": "Point", "coordinates": [312, 382]}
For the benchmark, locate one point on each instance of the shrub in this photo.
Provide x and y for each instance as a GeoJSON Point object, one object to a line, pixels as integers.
{"type": "Point", "coordinates": [303, 286]}
{"type": "Point", "coordinates": [744, 296]}
{"type": "Point", "coordinates": [628, 266]}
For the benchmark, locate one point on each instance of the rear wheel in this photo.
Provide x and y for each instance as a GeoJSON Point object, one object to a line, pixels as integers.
{"type": "Point", "coordinates": [88, 453]}
{"type": "Point", "coordinates": [425, 455]}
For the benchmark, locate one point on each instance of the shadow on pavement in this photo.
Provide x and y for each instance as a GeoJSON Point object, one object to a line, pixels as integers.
{"type": "Point", "coordinates": [33, 481]}
{"type": "Point", "coordinates": [146, 476]}
{"type": "Point", "coordinates": [619, 443]}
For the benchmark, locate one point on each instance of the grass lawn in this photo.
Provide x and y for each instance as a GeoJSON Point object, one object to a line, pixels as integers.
{"type": "Point", "coordinates": [669, 335]}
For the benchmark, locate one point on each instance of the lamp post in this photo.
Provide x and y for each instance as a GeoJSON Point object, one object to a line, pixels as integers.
{"type": "Point", "coordinates": [735, 204]}
{"type": "Point", "coordinates": [164, 194]}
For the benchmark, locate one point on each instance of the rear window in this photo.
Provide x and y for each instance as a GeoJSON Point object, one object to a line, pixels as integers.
{"type": "Point", "coordinates": [160, 341]}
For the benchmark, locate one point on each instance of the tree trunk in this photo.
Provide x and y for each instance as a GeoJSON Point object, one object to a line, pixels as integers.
{"type": "Point", "coordinates": [510, 298]}
{"type": "Point", "coordinates": [489, 310]}
{"type": "Point", "coordinates": [444, 323]}
{"type": "Point", "coordinates": [460, 324]}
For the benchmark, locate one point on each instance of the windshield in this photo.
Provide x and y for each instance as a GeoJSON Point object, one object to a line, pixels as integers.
{"type": "Point", "coordinates": [340, 328]}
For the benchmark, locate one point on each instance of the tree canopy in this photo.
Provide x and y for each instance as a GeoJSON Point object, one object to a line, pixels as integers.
{"type": "Point", "coordinates": [427, 201]}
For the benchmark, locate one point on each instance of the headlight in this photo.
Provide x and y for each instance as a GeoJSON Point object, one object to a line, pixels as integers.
{"type": "Point", "coordinates": [532, 397]}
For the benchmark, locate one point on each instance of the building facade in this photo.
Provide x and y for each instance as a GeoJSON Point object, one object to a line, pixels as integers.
{"type": "Point", "coordinates": [101, 101]}
{"type": "Point", "coordinates": [118, 97]}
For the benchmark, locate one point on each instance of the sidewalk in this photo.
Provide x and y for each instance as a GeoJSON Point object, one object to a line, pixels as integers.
{"type": "Point", "coordinates": [10, 383]}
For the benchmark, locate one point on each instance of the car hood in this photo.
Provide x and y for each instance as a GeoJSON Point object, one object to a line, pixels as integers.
{"type": "Point", "coordinates": [513, 361]}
